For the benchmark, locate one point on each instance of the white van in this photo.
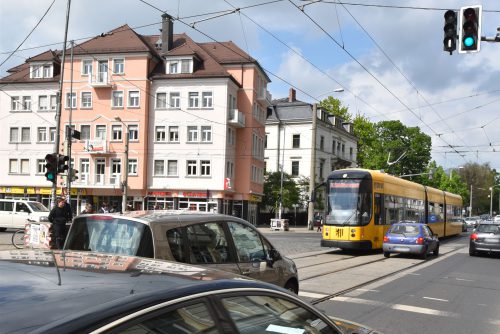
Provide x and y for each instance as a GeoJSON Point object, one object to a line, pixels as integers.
{"type": "Point", "coordinates": [14, 213]}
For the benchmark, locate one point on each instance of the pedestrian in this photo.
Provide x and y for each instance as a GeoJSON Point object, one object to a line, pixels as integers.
{"type": "Point", "coordinates": [59, 216]}
{"type": "Point", "coordinates": [104, 208]}
{"type": "Point", "coordinates": [88, 209]}
{"type": "Point", "coordinates": [114, 208]}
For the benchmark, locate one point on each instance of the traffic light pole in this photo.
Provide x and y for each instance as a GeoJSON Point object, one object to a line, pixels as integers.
{"type": "Point", "coordinates": [69, 133]}
{"type": "Point", "coordinates": [57, 138]}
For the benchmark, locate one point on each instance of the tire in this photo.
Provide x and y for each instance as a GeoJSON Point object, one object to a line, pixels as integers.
{"type": "Point", "coordinates": [387, 254]}
{"type": "Point", "coordinates": [423, 256]}
{"type": "Point", "coordinates": [18, 239]}
{"type": "Point", "coordinates": [292, 286]}
{"type": "Point", "coordinates": [436, 251]}
{"type": "Point", "coordinates": [3, 229]}
{"type": "Point", "coordinates": [472, 252]}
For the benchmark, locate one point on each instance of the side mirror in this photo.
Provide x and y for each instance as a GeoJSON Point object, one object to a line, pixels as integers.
{"type": "Point", "coordinates": [272, 257]}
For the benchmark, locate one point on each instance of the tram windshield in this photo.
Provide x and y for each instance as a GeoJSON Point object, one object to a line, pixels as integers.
{"type": "Point", "coordinates": [349, 202]}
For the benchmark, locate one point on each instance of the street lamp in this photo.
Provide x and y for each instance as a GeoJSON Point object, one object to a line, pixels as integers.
{"type": "Point", "coordinates": [452, 169]}
{"type": "Point", "coordinates": [125, 176]}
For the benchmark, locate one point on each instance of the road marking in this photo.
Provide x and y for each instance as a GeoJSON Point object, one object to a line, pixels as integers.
{"type": "Point", "coordinates": [438, 299]}
{"type": "Point", "coordinates": [424, 310]}
{"type": "Point", "coordinates": [367, 290]}
{"type": "Point", "coordinates": [463, 279]}
{"type": "Point", "coordinates": [413, 274]}
{"type": "Point", "coordinates": [311, 294]}
{"type": "Point", "coordinates": [358, 301]}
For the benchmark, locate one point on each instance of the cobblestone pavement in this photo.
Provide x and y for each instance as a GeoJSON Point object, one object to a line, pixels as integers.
{"type": "Point", "coordinates": [296, 242]}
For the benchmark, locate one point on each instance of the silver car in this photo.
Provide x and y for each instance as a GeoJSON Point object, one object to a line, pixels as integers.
{"type": "Point", "coordinates": [485, 239]}
{"type": "Point", "coordinates": [213, 240]}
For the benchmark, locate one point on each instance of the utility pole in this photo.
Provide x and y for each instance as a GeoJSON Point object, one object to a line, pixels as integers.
{"type": "Point", "coordinates": [312, 173]}
{"type": "Point", "coordinates": [69, 131]}
{"type": "Point", "coordinates": [57, 139]}
{"type": "Point", "coordinates": [470, 202]}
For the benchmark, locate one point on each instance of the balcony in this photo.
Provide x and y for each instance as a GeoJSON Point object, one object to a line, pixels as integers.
{"type": "Point", "coordinates": [264, 96]}
{"type": "Point", "coordinates": [236, 118]}
{"type": "Point", "coordinates": [100, 79]}
{"type": "Point", "coordinates": [96, 146]}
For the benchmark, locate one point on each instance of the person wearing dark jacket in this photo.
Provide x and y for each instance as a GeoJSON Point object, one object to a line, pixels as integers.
{"type": "Point", "coordinates": [59, 216]}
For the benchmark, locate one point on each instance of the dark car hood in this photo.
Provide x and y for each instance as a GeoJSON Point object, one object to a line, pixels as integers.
{"type": "Point", "coordinates": [349, 327]}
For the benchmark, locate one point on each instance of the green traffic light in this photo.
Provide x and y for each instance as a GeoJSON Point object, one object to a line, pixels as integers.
{"type": "Point", "coordinates": [469, 41]}
{"type": "Point", "coordinates": [50, 176]}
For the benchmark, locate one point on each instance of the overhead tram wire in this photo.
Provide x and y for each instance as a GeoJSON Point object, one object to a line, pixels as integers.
{"type": "Point", "coordinates": [399, 70]}
{"type": "Point", "coordinates": [365, 69]}
{"type": "Point", "coordinates": [32, 30]}
{"type": "Point", "coordinates": [311, 63]}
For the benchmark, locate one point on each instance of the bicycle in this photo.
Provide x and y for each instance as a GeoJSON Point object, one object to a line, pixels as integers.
{"type": "Point", "coordinates": [18, 239]}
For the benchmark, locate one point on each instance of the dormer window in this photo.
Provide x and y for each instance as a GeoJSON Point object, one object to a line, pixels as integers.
{"type": "Point", "coordinates": [177, 65]}
{"type": "Point", "coordinates": [40, 71]}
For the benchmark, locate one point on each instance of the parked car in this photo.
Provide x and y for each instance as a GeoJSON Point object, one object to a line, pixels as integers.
{"type": "Point", "coordinates": [82, 292]}
{"type": "Point", "coordinates": [207, 239]}
{"type": "Point", "coordinates": [410, 238]}
{"type": "Point", "coordinates": [496, 218]}
{"type": "Point", "coordinates": [14, 213]}
{"type": "Point", "coordinates": [485, 239]}
{"type": "Point", "coordinates": [472, 221]}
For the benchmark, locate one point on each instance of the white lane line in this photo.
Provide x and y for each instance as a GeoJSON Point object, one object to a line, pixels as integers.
{"type": "Point", "coordinates": [413, 274]}
{"type": "Point", "coordinates": [424, 310]}
{"type": "Point", "coordinates": [463, 279]}
{"type": "Point", "coordinates": [438, 299]}
{"type": "Point", "coordinates": [367, 290]}
{"type": "Point", "coordinates": [358, 301]}
{"type": "Point", "coordinates": [311, 294]}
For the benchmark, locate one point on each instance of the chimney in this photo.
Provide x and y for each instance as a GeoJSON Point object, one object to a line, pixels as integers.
{"type": "Point", "coordinates": [167, 33]}
{"type": "Point", "coordinates": [291, 95]}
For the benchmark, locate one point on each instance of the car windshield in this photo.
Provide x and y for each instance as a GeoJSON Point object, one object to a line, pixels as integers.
{"type": "Point", "coordinates": [38, 207]}
{"type": "Point", "coordinates": [489, 228]}
{"type": "Point", "coordinates": [406, 230]}
{"type": "Point", "coordinates": [107, 234]}
{"type": "Point", "coordinates": [349, 202]}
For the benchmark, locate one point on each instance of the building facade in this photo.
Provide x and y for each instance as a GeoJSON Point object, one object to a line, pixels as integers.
{"type": "Point", "coordinates": [289, 134]}
{"type": "Point", "coordinates": [176, 123]}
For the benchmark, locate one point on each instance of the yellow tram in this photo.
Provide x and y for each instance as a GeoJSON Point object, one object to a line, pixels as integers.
{"type": "Point", "coordinates": [362, 204]}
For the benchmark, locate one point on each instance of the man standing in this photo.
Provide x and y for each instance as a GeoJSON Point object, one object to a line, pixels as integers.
{"type": "Point", "coordinates": [58, 216]}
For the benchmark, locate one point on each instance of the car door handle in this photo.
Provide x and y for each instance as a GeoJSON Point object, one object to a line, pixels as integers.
{"type": "Point", "coordinates": [247, 272]}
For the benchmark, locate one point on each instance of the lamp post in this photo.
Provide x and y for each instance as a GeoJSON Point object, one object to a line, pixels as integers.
{"type": "Point", "coordinates": [125, 172]}
{"type": "Point", "coordinates": [452, 169]}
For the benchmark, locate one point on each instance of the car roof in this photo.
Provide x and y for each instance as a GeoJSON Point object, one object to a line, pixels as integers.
{"type": "Point", "coordinates": [172, 217]}
{"type": "Point", "coordinates": [57, 287]}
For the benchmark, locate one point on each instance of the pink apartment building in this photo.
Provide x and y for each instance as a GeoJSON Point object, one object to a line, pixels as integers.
{"type": "Point", "coordinates": [194, 114]}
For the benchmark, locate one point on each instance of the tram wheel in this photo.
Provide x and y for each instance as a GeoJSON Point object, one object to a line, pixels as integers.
{"type": "Point", "coordinates": [387, 254]}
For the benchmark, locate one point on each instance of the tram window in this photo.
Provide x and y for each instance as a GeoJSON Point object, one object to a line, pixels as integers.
{"type": "Point", "coordinates": [379, 202]}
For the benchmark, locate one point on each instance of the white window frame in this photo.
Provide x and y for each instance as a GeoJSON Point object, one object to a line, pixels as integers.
{"type": "Point", "coordinates": [36, 71]}
{"type": "Point", "coordinates": [121, 66]}
{"type": "Point", "coordinates": [70, 97]}
{"type": "Point", "coordinates": [207, 99]}
{"type": "Point", "coordinates": [86, 69]}
{"type": "Point", "coordinates": [43, 102]}
{"type": "Point", "coordinates": [15, 103]}
{"type": "Point", "coordinates": [24, 131]}
{"type": "Point", "coordinates": [117, 95]}
{"type": "Point", "coordinates": [99, 133]}
{"type": "Point", "coordinates": [173, 134]}
{"type": "Point", "coordinates": [52, 134]}
{"type": "Point", "coordinates": [161, 103]}
{"type": "Point", "coordinates": [206, 133]}
{"type": "Point", "coordinates": [133, 132]}
{"type": "Point", "coordinates": [160, 133]}
{"type": "Point", "coordinates": [159, 167]}
{"type": "Point", "coordinates": [132, 166]}
{"type": "Point", "coordinates": [41, 135]}
{"type": "Point", "coordinates": [47, 71]}
{"type": "Point", "coordinates": [13, 166]}
{"type": "Point", "coordinates": [192, 134]}
{"type": "Point", "coordinates": [191, 168]}
{"type": "Point", "coordinates": [84, 134]}
{"type": "Point", "coordinates": [175, 100]}
{"type": "Point", "coordinates": [172, 168]}
{"type": "Point", "coordinates": [133, 101]}
{"type": "Point", "coordinates": [53, 102]}
{"type": "Point", "coordinates": [86, 102]}
{"type": "Point", "coordinates": [40, 166]}
{"type": "Point", "coordinates": [24, 166]}
{"type": "Point", "coordinates": [173, 67]}
{"type": "Point", "coordinates": [26, 103]}
{"type": "Point", "coordinates": [194, 100]}
{"type": "Point", "coordinates": [205, 168]}
{"type": "Point", "coordinates": [116, 132]}
{"type": "Point", "coordinates": [14, 135]}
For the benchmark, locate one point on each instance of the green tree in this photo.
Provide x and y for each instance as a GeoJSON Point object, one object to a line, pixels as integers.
{"type": "Point", "coordinates": [272, 191]}
{"type": "Point", "coordinates": [334, 107]}
{"type": "Point", "coordinates": [368, 143]}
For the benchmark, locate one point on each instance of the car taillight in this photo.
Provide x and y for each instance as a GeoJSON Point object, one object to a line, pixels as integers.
{"type": "Point", "coordinates": [386, 238]}
{"type": "Point", "coordinates": [420, 241]}
{"type": "Point", "coordinates": [473, 236]}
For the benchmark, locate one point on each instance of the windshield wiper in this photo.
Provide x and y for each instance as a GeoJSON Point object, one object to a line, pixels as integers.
{"type": "Point", "coordinates": [348, 218]}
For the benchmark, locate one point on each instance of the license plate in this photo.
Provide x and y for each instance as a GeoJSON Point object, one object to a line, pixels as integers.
{"type": "Point", "coordinates": [492, 240]}
{"type": "Point", "coordinates": [401, 249]}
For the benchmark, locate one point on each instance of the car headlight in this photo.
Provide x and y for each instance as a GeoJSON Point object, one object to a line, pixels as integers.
{"type": "Point", "coordinates": [44, 219]}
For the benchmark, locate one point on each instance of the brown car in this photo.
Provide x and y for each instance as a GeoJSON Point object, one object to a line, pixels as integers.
{"type": "Point", "coordinates": [213, 240]}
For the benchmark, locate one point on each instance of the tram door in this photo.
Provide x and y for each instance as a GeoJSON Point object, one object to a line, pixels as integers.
{"type": "Point", "coordinates": [378, 219]}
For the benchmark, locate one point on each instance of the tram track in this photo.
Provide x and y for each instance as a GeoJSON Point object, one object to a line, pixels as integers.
{"type": "Point", "coordinates": [361, 285]}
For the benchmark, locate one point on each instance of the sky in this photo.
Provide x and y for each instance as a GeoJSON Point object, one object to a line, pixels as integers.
{"type": "Point", "coordinates": [387, 55]}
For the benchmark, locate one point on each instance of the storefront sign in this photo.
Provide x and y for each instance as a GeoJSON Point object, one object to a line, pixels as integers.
{"type": "Point", "coordinates": [227, 184]}
{"type": "Point", "coordinates": [193, 194]}
{"type": "Point", "coordinates": [255, 198]}
{"type": "Point", "coordinates": [160, 193]}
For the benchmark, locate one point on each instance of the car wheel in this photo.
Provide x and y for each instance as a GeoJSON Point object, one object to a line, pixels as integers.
{"type": "Point", "coordinates": [3, 229]}
{"type": "Point", "coordinates": [387, 254]}
{"type": "Point", "coordinates": [472, 252]}
{"type": "Point", "coordinates": [436, 251]}
{"type": "Point", "coordinates": [292, 286]}
{"type": "Point", "coordinates": [423, 256]}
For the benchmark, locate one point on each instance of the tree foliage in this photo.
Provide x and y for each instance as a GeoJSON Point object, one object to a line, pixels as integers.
{"type": "Point", "coordinates": [334, 107]}
{"type": "Point", "coordinates": [272, 191]}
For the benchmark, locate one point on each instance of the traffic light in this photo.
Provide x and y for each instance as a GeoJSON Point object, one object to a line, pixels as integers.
{"type": "Point", "coordinates": [470, 29]}
{"type": "Point", "coordinates": [51, 167]}
{"type": "Point", "coordinates": [73, 174]}
{"type": "Point", "coordinates": [62, 163]}
{"type": "Point", "coordinates": [450, 31]}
